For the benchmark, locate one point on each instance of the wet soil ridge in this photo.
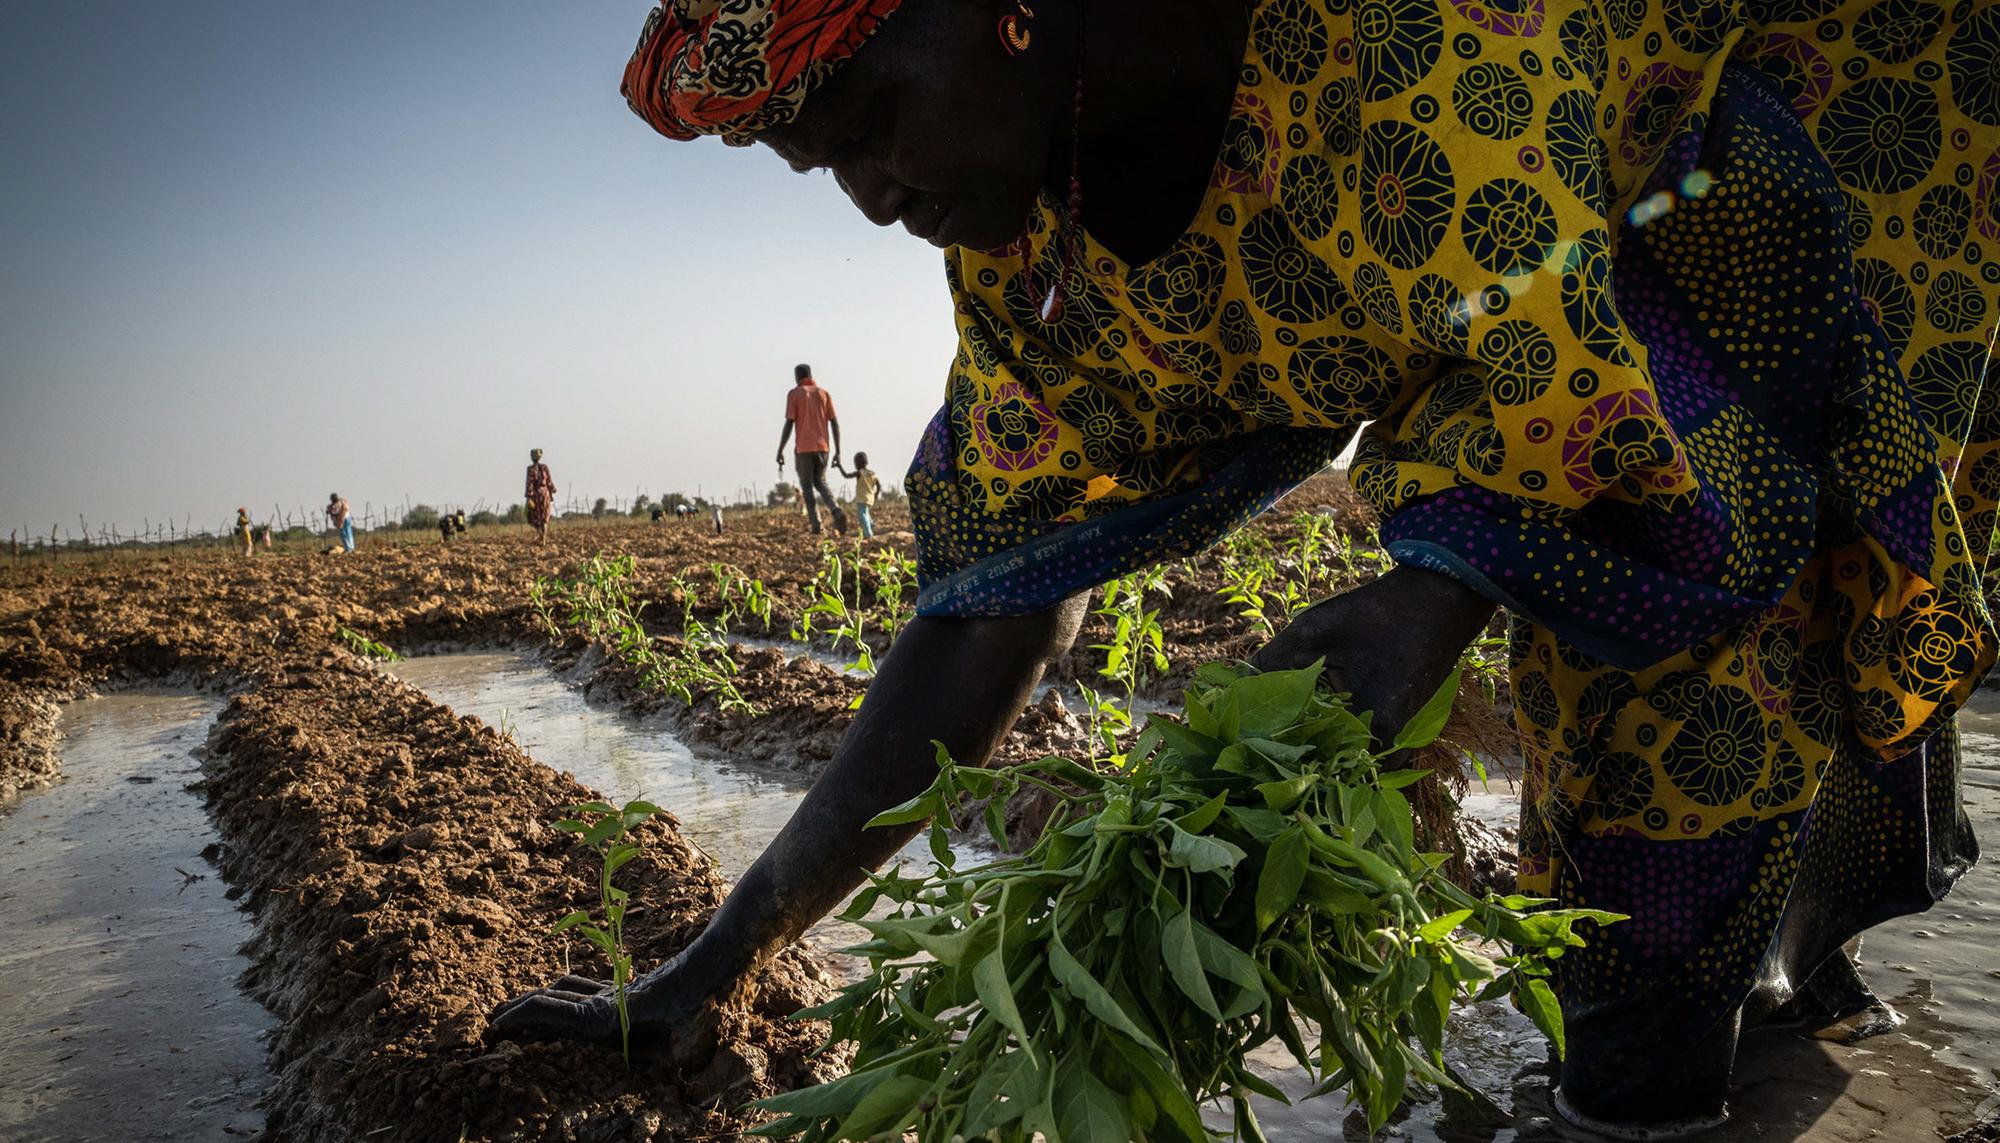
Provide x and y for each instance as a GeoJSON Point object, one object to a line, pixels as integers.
{"type": "Point", "coordinates": [28, 738]}
{"type": "Point", "coordinates": [404, 874]}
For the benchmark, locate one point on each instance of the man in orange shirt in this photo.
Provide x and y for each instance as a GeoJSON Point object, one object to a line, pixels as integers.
{"type": "Point", "coordinates": [809, 409]}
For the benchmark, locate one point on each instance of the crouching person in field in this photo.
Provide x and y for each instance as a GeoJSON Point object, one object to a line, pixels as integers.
{"type": "Point", "coordinates": [342, 519]}
{"type": "Point", "coordinates": [1734, 546]}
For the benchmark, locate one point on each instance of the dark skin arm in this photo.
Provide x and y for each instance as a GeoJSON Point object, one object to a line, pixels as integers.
{"type": "Point", "coordinates": [784, 439]}
{"type": "Point", "coordinates": [962, 682]}
{"type": "Point", "coordinates": [1391, 643]}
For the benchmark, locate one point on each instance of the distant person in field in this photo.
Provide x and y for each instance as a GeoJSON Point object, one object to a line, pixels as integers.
{"type": "Point", "coordinates": [867, 486]}
{"type": "Point", "coordinates": [541, 495]}
{"type": "Point", "coordinates": [343, 522]}
{"type": "Point", "coordinates": [715, 517]}
{"type": "Point", "coordinates": [809, 411]}
{"type": "Point", "coordinates": [446, 523]}
{"type": "Point", "coordinates": [243, 530]}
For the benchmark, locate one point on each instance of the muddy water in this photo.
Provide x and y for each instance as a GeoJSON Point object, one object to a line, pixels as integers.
{"type": "Point", "coordinates": [730, 811]}
{"type": "Point", "coordinates": [1945, 964]}
{"type": "Point", "coordinates": [1938, 970]}
{"type": "Point", "coordinates": [119, 1015]}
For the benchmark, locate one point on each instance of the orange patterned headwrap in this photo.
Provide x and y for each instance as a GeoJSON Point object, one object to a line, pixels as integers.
{"type": "Point", "coordinates": [736, 67]}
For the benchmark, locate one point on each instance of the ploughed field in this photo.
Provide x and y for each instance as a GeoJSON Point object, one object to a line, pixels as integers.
{"type": "Point", "coordinates": [222, 622]}
{"type": "Point", "coordinates": [397, 859]}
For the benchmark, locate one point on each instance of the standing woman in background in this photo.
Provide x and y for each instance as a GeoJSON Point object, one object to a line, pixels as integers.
{"type": "Point", "coordinates": [541, 495]}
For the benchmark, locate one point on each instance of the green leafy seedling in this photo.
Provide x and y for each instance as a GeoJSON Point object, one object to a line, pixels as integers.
{"type": "Point", "coordinates": [607, 829]}
{"type": "Point", "coordinates": [367, 648]}
{"type": "Point", "coordinates": [1137, 642]}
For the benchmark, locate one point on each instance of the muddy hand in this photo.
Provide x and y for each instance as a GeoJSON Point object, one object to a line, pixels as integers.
{"type": "Point", "coordinates": [1390, 642]}
{"type": "Point", "coordinates": [574, 1007]}
{"type": "Point", "coordinates": [579, 1008]}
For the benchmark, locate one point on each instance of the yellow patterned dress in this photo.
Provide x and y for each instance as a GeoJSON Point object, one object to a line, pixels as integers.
{"type": "Point", "coordinates": [1669, 322]}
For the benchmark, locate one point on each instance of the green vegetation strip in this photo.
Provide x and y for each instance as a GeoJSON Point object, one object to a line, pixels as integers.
{"type": "Point", "coordinates": [597, 603]}
{"type": "Point", "coordinates": [1232, 878]}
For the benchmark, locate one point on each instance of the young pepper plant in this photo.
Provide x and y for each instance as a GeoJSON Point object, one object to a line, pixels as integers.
{"type": "Point", "coordinates": [607, 828]}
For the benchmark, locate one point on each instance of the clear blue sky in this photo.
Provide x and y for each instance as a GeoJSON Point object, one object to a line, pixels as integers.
{"type": "Point", "coordinates": [251, 253]}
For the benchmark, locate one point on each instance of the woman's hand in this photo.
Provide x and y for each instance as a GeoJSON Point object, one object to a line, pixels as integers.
{"type": "Point", "coordinates": [1391, 642]}
{"type": "Point", "coordinates": [664, 1006]}
{"type": "Point", "coordinates": [574, 1006]}
{"type": "Point", "coordinates": [960, 682]}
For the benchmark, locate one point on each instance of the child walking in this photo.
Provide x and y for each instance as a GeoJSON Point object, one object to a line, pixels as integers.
{"type": "Point", "coordinates": [866, 487]}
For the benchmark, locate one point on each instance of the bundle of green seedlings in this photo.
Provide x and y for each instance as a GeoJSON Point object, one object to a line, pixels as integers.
{"type": "Point", "coordinates": [1247, 875]}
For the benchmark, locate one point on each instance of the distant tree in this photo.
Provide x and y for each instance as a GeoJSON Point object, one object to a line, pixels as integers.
{"type": "Point", "coordinates": [516, 514]}
{"type": "Point", "coordinates": [781, 495]}
{"type": "Point", "coordinates": [642, 505]}
{"type": "Point", "coordinates": [421, 516]}
{"type": "Point", "coordinates": [598, 509]}
{"type": "Point", "coordinates": [674, 500]}
{"type": "Point", "coordinates": [483, 518]}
